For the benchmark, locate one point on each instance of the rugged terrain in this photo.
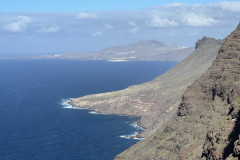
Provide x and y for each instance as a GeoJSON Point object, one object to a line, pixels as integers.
{"type": "Point", "coordinates": [150, 50]}
{"type": "Point", "coordinates": [207, 123]}
{"type": "Point", "coordinates": [156, 101]}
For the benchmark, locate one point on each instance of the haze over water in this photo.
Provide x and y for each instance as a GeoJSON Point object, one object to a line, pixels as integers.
{"type": "Point", "coordinates": [34, 124]}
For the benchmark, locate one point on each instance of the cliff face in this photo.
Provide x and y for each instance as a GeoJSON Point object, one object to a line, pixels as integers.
{"type": "Point", "coordinates": [156, 101]}
{"type": "Point", "coordinates": [207, 124]}
{"type": "Point", "coordinates": [224, 79]}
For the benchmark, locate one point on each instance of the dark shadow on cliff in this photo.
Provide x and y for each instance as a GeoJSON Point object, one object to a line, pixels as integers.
{"type": "Point", "coordinates": [232, 138]}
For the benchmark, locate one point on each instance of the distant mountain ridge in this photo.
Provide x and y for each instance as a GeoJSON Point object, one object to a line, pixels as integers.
{"type": "Point", "coordinates": [145, 50]}
{"type": "Point", "coordinates": [150, 50]}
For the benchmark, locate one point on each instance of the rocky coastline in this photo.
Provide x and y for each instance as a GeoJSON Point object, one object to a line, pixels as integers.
{"type": "Point", "coordinates": [155, 102]}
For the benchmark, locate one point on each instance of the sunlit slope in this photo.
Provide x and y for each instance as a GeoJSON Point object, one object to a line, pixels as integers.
{"type": "Point", "coordinates": [207, 123]}
{"type": "Point", "coordinates": [156, 101]}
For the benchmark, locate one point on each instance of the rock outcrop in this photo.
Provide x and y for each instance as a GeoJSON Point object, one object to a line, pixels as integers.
{"type": "Point", "coordinates": [207, 123]}
{"type": "Point", "coordinates": [236, 150]}
{"type": "Point", "coordinates": [156, 101]}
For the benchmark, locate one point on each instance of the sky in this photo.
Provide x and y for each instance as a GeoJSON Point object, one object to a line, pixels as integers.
{"type": "Point", "coordinates": [52, 27]}
{"type": "Point", "coordinates": [86, 5]}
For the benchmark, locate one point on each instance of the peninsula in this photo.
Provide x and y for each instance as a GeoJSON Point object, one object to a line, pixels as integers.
{"type": "Point", "coordinates": [155, 101]}
{"type": "Point", "coordinates": [148, 50]}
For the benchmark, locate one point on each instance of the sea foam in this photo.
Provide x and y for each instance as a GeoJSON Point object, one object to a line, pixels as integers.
{"type": "Point", "coordinates": [65, 104]}
{"type": "Point", "coordinates": [94, 112]}
{"type": "Point", "coordinates": [134, 135]}
{"type": "Point", "coordinates": [135, 125]}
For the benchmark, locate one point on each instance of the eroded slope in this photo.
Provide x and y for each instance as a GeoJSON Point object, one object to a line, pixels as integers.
{"type": "Point", "coordinates": [156, 101]}
{"type": "Point", "coordinates": [207, 122]}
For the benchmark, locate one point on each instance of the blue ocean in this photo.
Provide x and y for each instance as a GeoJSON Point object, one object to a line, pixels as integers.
{"type": "Point", "coordinates": [35, 123]}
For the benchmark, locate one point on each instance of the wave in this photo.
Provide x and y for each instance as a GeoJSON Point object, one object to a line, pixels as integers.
{"type": "Point", "coordinates": [94, 112]}
{"type": "Point", "coordinates": [66, 105]}
{"type": "Point", "coordinates": [134, 135]}
{"type": "Point", "coordinates": [135, 125]}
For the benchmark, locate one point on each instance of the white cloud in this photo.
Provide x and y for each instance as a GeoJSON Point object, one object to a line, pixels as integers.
{"type": "Point", "coordinates": [84, 15]}
{"type": "Point", "coordinates": [132, 24]}
{"type": "Point", "coordinates": [198, 20]}
{"type": "Point", "coordinates": [19, 25]}
{"type": "Point", "coordinates": [108, 26]}
{"type": "Point", "coordinates": [158, 21]}
{"type": "Point", "coordinates": [96, 34]}
{"type": "Point", "coordinates": [134, 30]}
{"type": "Point", "coordinates": [166, 22]}
{"type": "Point", "coordinates": [228, 6]}
{"type": "Point", "coordinates": [49, 29]}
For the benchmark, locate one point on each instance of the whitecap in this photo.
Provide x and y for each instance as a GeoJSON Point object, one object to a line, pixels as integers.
{"type": "Point", "coordinates": [135, 125]}
{"type": "Point", "coordinates": [94, 112]}
{"type": "Point", "coordinates": [125, 136]}
{"type": "Point", "coordinates": [132, 136]}
{"type": "Point", "coordinates": [139, 138]}
{"type": "Point", "coordinates": [65, 104]}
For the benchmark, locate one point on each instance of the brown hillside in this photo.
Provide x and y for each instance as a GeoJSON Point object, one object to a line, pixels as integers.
{"type": "Point", "coordinates": [207, 123]}
{"type": "Point", "coordinates": [156, 101]}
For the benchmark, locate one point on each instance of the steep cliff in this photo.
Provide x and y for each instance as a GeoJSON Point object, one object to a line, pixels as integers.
{"type": "Point", "coordinates": [207, 124]}
{"type": "Point", "coordinates": [156, 101]}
